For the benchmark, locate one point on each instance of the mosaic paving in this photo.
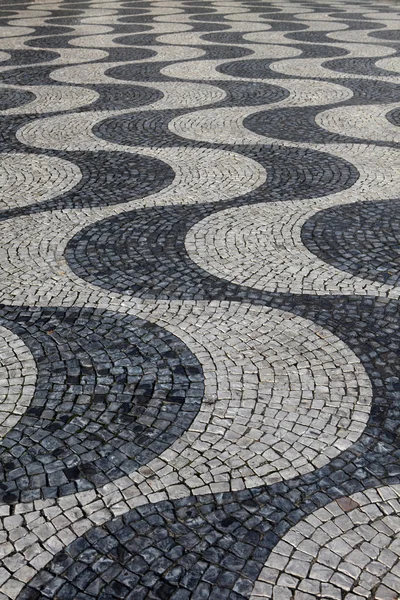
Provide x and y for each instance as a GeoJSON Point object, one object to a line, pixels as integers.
{"type": "Point", "coordinates": [199, 300]}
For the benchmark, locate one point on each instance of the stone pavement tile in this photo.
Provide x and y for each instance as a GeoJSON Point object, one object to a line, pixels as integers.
{"type": "Point", "coordinates": [199, 300]}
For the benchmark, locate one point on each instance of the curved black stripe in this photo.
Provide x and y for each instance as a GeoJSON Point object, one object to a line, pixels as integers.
{"type": "Point", "coordinates": [113, 392]}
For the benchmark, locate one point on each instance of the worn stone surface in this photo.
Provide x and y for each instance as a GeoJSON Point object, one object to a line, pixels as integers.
{"type": "Point", "coordinates": [199, 300]}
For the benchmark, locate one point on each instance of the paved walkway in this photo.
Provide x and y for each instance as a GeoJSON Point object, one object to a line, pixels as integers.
{"type": "Point", "coordinates": [199, 288]}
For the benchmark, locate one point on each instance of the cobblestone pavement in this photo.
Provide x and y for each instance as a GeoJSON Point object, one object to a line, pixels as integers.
{"type": "Point", "coordinates": [199, 299]}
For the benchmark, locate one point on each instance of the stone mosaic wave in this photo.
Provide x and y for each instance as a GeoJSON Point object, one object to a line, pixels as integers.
{"type": "Point", "coordinates": [199, 318]}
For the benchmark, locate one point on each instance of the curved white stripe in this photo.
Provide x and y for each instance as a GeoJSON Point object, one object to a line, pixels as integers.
{"type": "Point", "coordinates": [365, 122]}
{"type": "Point", "coordinates": [390, 64]}
{"type": "Point", "coordinates": [260, 246]}
{"type": "Point", "coordinates": [14, 31]}
{"type": "Point", "coordinates": [348, 549]}
{"type": "Point", "coordinates": [18, 376]}
{"type": "Point", "coordinates": [52, 99]}
{"type": "Point", "coordinates": [30, 178]}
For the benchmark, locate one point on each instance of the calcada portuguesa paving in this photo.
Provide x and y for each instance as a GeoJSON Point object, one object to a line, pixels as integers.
{"type": "Point", "coordinates": [199, 319]}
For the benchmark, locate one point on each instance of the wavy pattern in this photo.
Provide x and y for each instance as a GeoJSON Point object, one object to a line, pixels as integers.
{"type": "Point", "coordinates": [52, 99]}
{"type": "Point", "coordinates": [199, 319]}
{"type": "Point", "coordinates": [112, 547]}
{"type": "Point", "coordinates": [357, 562]}
{"type": "Point", "coordinates": [121, 391]}
{"type": "Point", "coordinates": [26, 179]}
{"type": "Point", "coordinates": [18, 375]}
